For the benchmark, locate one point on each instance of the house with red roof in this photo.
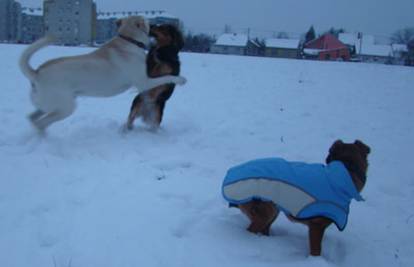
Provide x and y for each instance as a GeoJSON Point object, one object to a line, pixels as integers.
{"type": "Point", "coordinates": [326, 47]}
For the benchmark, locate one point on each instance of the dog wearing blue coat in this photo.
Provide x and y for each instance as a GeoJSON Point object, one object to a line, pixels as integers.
{"type": "Point", "coordinates": [315, 195]}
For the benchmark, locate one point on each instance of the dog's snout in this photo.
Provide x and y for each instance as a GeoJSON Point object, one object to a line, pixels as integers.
{"type": "Point", "coordinates": [152, 41]}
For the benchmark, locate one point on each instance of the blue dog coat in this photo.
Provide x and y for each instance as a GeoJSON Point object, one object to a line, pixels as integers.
{"type": "Point", "coordinates": [299, 189]}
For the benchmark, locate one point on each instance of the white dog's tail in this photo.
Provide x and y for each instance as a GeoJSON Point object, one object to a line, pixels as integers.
{"type": "Point", "coordinates": [25, 67]}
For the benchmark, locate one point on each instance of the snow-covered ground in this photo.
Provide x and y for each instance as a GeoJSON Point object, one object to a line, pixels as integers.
{"type": "Point", "coordinates": [89, 195]}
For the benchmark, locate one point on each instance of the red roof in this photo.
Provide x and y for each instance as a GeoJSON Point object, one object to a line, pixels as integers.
{"type": "Point", "coordinates": [326, 42]}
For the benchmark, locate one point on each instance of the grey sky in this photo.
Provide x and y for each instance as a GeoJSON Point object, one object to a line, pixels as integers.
{"type": "Point", "coordinates": [380, 17]}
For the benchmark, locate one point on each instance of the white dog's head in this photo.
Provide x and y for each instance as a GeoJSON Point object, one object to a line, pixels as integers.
{"type": "Point", "coordinates": [136, 27]}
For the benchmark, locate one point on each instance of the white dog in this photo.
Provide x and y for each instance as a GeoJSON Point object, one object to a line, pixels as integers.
{"type": "Point", "coordinates": [107, 71]}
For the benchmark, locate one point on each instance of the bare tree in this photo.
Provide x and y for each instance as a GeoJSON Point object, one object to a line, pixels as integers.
{"type": "Point", "coordinates": [335, 31]}
{"type": "Point", "coordinates": [403, 36]}
{"type": "Point", "coordinates": [282, 35]}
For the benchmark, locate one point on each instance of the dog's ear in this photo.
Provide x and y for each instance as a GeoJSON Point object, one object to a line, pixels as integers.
{"type": "Point", "coordinates": [118, 23]}
{"type": "Point", "coordinates": [334, 148]}
{"type": "Point", "coordinates": [178, 37]}
{"type": "Point", "coordinates": [143, 25]}
{"type": "Point", "coordinates": [335, 145]}
{"type": "Point", "coordinates": [152, 28]}
{"type": "Point", "coordinates": [363, 147]}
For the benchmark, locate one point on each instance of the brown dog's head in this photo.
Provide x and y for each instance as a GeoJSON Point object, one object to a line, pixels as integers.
{"type": "Point", "coordinates": [167, 35]}
{"type": "Point", "coordinates": [355, 158]}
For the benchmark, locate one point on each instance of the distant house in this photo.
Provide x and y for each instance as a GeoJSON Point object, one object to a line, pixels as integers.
{"type": "Point", "coordinates": [254, 48]}
{"type": "Point", "coordinates": [235, 44]}
{"type": "Point", "coordinates": [399, 53]}
{"type": "Point", "coordinates": [376, 53]}
{"type": "Point", "coordinates": [368, 51]}
{"type": "Point", "coordinates": [410, 56]}
{"type": "Point", "coordinates": [355, 40]}
{"type": "Point", "coordinates": [282, 48]}
{"type": "Point", "coordinates": [326, 47]}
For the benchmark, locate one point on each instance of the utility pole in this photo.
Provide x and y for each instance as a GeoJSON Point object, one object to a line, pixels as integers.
{"type": "Point", "coordinates": [360, 44]}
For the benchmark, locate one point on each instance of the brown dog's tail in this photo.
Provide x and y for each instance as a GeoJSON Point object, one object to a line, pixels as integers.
{"type": "Point", "coordinates": [25, 67]}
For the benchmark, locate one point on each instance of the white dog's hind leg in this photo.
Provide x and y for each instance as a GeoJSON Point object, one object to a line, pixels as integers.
{"type": "Point", "coordinates": [43, 122]}
{"type": "Point", "coordinates": [34, 116]}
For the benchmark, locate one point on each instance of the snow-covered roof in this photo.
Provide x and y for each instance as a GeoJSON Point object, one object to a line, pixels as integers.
{"type": "Point", "coordinates": [36, 11]}
{"type": "Point", "coordinates": [376, 50]}
{"type": "Point", "coordinates": [232, 39]}
{"type": "Point", "coordinates": [255, 43]}
{"type": "Point", "coordinates": [312, 51]}
{"type": "Point", "coordinates": [282, 43]}
{"type": "Point", "coordinates": [399, 48]}
{"type": "Point", "coordinates": [122, 14]}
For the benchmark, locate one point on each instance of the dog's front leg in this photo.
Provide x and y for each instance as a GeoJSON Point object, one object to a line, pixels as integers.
{"type": "Point", "coordinates": [155, 82]}
{"type": "Point", "coordinates": [317, 229]}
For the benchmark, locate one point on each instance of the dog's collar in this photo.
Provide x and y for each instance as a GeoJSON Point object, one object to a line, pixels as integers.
{"type": "Point", "coordinates": [133, 41]}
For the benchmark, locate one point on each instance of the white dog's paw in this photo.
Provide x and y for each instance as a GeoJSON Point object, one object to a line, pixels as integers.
{"type": "Point", "coordinates": [180, 80]}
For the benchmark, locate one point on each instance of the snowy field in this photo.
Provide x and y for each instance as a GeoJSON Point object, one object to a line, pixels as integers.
{"type": "Point", "coordinates": [88, 195]}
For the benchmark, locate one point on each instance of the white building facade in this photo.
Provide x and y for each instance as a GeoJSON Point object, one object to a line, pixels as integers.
{"type": "Point", "coordinates": [73, 22]}
{"type": "Point", "coordinates": [32, 27]}
{"type": "Point", "coordinates": [10, 21]}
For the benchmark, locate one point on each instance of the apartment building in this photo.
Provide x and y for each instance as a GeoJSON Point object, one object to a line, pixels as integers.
{"type": "Point", "coordinates": [73, 22]}
{"type": "Point", "coordinates": [10, 20]}
{"type": "Point", "coordinates": [32, 25]}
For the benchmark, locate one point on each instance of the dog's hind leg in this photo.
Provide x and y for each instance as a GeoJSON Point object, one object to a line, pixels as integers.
{"type": "Point", "coordinates": [135, 111]}
{"type": "Point", "coordinates": [161, 100]}
{"type": "Point", "coordinates": [44, 122]}
{"type": "Point", "coordinates": [34, 116]}
{"type": "Point", "coordinates": [275, 213]}
{"type": "Point", "coordinates": [54, 116]}
{"type": "Point", "coordinates": [261, 214]}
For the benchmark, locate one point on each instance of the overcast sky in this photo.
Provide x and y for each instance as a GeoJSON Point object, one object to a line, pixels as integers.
{"type": "Point", "coordinates": [380, 17]}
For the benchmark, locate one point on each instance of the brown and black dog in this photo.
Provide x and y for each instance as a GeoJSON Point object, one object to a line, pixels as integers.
{"type": "Point", "coordinates": [263, 214]}
{"type": "Point", "coordinates": [162, 59]}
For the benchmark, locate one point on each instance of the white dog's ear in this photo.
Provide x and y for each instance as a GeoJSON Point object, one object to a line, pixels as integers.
{"type": "Point", "coordinates": [118, 23]}
{"type": "Point", "coordinates": [143, 25]}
